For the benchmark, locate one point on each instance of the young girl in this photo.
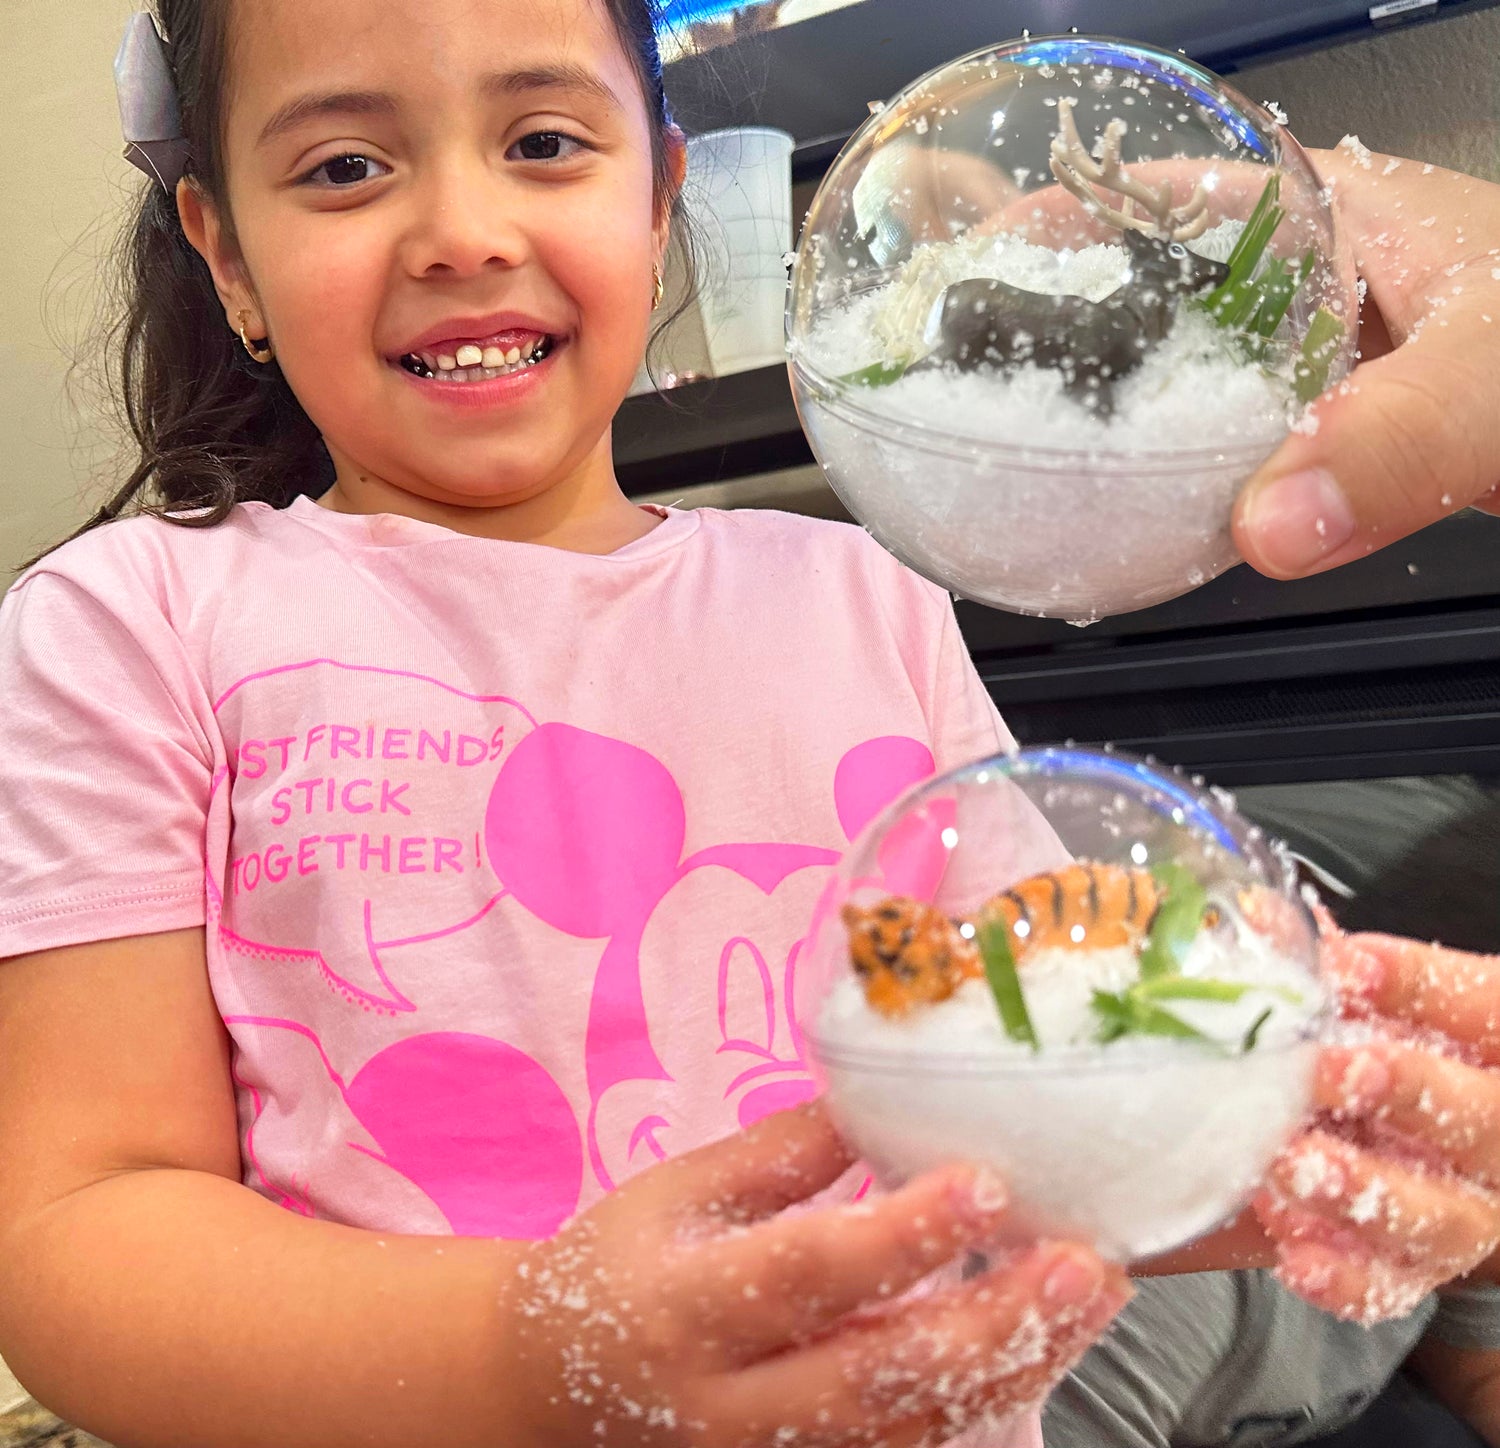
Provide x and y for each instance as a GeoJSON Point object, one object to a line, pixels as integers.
{"type": "Point", "coordinates": [408, 839]}
{"type": "Point", "coordinates": [416, 847]}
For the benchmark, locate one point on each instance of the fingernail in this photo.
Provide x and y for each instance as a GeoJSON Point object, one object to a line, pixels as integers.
{"type": "Point", "coordinates": [1298, 520]}
{"type": "Point", "coordinates": [1366, 1081]}
{"type": "Point", "coordinates": [1360, 973]}
{"type": "Point", "coordinates": [986, 1193]}
{"type": "Point", "coordinates": [1072, 1280]}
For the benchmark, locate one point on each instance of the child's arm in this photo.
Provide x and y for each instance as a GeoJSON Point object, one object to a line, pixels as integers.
{"type": "Point", "coordinates": [148, 1295]}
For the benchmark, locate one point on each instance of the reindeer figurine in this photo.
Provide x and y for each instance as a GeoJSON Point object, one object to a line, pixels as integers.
{"type": "Point", "coordinates": [987, 323]}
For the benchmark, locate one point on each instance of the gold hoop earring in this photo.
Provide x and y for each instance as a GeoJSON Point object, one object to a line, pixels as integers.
{"type": "Point", "coordinates": [658, 286]}
{"type": "Point", "coordinates": [261, 352]}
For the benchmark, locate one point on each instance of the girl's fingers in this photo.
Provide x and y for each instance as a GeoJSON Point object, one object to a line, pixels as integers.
{"type": "Point", "coordinates": [1446, 1108]}
{"type": "Point", "coordinates": [989, 1348]}
{"type": "Point", "coordinates": [780, 1161]}
{"type": "Point", "coordinates": [791, 1279]}
{"type": "Point", "coordinates": [1426, 987]}
{"type": "Point", "coordinates": [1328, 1191]}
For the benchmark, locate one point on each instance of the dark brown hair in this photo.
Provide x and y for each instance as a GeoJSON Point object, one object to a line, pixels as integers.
{"type": "Point", "coordinates": [214, 428]}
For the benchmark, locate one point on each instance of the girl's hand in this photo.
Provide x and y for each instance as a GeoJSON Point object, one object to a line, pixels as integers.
{"type": "Point", "coordinates": [1399, 1192]}
{"type": "Point", "coordinates": [1415, 432]}
{"type": "Point", "coordinates": [690, 1307]}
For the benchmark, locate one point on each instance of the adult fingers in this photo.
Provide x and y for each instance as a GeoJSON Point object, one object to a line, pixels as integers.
{"type": "Point", "coordinates": [1407, 440]}
{"type": "Point", "coordinates": [1423, 987]}
{"type": "Point", "coordinates": [787, 1280]}
{"type": "Point", "coordinates": [1449, 1109]}
{"type": "Point", "coordinates": [1415, 435]}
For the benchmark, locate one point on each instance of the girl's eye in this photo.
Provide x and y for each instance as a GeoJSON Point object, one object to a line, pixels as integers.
{"type": "Point", "coordinates": [343, 171]}
{"type": "Point", "coordinates": [545, 146]}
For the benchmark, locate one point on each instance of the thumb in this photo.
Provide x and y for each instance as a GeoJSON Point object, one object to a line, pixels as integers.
{"type": "Point", "coordinates": [1405, 441]}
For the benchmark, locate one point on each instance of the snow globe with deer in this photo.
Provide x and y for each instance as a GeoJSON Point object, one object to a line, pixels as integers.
{"type": "Point", "coordinates": [1080, 969]}
{"type": "Point", "coordinates": [1051, 308]}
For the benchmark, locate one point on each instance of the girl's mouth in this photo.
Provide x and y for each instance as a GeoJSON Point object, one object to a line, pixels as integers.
{"type": "Point", "coordinates": [475, 363]}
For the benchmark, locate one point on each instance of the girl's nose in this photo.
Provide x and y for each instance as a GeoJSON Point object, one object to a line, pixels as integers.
{"type": "Point", "coordinates": [465, 220]}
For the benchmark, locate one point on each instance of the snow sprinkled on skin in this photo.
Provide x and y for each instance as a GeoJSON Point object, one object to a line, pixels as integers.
{"type": "Point", "coordinates": [1369, 1203]}
{"type": "Point", "coordinates": [1392, 165]}
{"type": "Point", "coordinates": [1357, 149]}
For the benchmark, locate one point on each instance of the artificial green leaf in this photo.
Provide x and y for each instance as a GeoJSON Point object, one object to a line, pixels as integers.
{"type": "Point", "coordinates": [1189, 988]}
{"type": "Point", "coordinates": [1205, 988]}
{"type": "Point", "coordinates": [1277, 291]}
{"type": "Point", "coordinates": [1310, 373]}
{"type": "Point", "coordinates": [1179, 916]}
{"type": "Point", "coordinates": [877, 374]}
{"type": "Point", "coordinates": [1253, 1033]}
{"type": "Point", "coordinates": [1149, 1020]}
{"type": "Point", "coordinates": [1114, 1016]}
{"type": "Point", "coordinates": [1005, 982]}
{"type": "Point", "coordinates": [1235, 299]}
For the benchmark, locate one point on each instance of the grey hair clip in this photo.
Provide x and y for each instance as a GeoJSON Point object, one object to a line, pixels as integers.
{"type": "Point", "coordinates": [150, 117]}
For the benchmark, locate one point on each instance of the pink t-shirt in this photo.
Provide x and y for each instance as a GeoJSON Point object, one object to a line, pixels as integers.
{"type": "Point", "coordinates": [503, 852]}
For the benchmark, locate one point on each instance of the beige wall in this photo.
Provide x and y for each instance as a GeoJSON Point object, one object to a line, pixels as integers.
{"type": "Point", "coordinates": [1432, 92]}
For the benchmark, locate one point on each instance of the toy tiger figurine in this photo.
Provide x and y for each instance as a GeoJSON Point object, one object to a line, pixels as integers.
{"type": "Point", "coordinates": [906, 953]}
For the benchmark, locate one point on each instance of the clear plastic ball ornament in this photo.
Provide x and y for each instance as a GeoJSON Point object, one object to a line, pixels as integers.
{"type": "Point", "coordinates": [1081, 970]}
{"type": "Point", "coordinates": [1051, 308]}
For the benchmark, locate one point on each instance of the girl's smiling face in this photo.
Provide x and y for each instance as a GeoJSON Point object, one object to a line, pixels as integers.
{"type": "Point", "coordinates": [420, 190]}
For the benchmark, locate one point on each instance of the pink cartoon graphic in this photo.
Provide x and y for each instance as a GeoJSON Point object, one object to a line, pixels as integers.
{"type": "Point", "coordinates": [588, 833]}
{"type": "Point", "coordinates": [481, 1139]}
{"type": "Point", "coordinates": [350, 800]}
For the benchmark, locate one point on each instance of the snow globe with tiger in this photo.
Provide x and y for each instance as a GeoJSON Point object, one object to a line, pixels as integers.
{"type": "Point", "coordinates": [1085, 971]}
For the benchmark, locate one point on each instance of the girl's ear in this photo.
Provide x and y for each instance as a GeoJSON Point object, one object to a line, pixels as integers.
{"type": "Point", "coordinates": [676, 150]}
{"type": "Point", "coordinates": [204, 229]}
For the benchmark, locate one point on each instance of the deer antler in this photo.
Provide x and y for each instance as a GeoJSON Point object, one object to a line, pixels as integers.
{"type": "Point", "coordinates": [1077, 170]}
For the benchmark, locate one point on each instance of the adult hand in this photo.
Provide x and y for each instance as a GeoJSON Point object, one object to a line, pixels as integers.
{"type": "Point", "coordinates": [690, 1307]}
{"type": "Point", "coordinates": [1414, 432]}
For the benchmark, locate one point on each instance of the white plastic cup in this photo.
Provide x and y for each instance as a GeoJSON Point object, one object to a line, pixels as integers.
{"type": "Point", "coordinates": [739, 192]}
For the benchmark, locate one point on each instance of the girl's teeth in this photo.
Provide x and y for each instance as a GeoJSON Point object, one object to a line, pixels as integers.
{"type": "Point", "coordinates": [470, 363]}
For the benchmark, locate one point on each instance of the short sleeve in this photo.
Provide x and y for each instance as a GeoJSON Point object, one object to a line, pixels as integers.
{"type": "Point", "coordinates": [966, 725]}
{"type": "Point", "coordinates": [1004, 837]}
{"type": "Point", "coordinates": [1468, 1318]}
{"type": "Point", "coordinates": [105, 767]}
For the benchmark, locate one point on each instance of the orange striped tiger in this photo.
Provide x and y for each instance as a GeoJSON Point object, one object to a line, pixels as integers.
{"type": "Point", "coordinates": [906, 953]}
{"type": "Point", "coordinates": [1083, 906]}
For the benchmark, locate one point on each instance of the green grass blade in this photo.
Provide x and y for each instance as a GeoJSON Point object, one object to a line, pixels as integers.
{"type": "Point", "coordinates": [1177, 921]}
{"type": "Point", "coordinates": [1278, 291]}
{"type": "Point", "coordinates": [1189, 988]}
{"type": "Point", "coordinates": [1228, 302]}
{"type": "Point", "coordinates": [877, 374]}
{"type": "Point", "coordinates": [1005, 982]}
{"type": "Point", "coordinates": [1149, 1020]}
{"type": "Point", "coordinates": [1114, 1016]}
{"type": "Point", "coordinates": [1253, 1033]}
{"type": "Point", "coordinates": [1310, 373]}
